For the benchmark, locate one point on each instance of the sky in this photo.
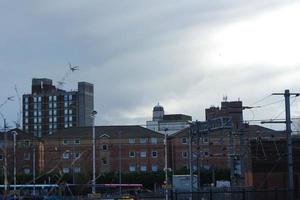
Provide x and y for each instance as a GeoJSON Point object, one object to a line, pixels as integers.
{"type": "Point", "coordinates": [186, 55]}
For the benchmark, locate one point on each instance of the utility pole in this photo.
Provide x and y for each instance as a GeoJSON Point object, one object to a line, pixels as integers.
{"type": "Point", "coordinates": [93, 115]}
{"type": "Point", "coordinates": [15, 162]}
{"type": "Point", "coordinates": [5, 158]}
{"type": "Point", "coordinates": [288, 123]}
{"type": "Point", "coordinates": [120, 164]}
{"type": "Point", "coordinates": [33, 167]}
{"type": "Point", "coordinates": [166, 164]}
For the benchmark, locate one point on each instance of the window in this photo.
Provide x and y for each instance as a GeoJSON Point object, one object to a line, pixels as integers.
{"type": "Point", "coordinates": [66, 104]}
{"type": "Point", "coordinates": [184, 154]}
{"type": "Point", "coordinates": [65, 141]}
{"type": "Point", "coordinates": [50, 119]}
{"type": "Point", "coordinates": [131, 140]}
{"type": "Point", "coordinates": [184, 140]}
{"type": "Point", "coordinates": [26, 106]}
{"type": "Point", "coordinates": [40, 120]}
{"type": "Point", "coordinates": [206, 153]}
{"type": "Point", "coordinates": [77, 141]}
{"type": "Point", "coordinates": [143, 168]}
{"type": "Point", "coordinates": [153, 140]}
{"type": "Point", "coordinates": [26, 143]}
{"type": "Point", "coordinates": [143, 154]}
{"type": "Point", "coordinates": [77, 155]}
{"type": "Point", "coordinates": [50, 105]}
{"type": "Point", "coordinates": [26, 120]}
{"type": "Point", "coordinates": [54, 119]}
{"type": "Point", "coordinates": [34, 99]}
{"type": "Point", "coordinates": [54, 98]}
{"type": "Point", "coordinates": [154, 168]}
{"type": "Point", "coordinates": [50, 98]}
{"type": "Point", "coordinates": [66, 118]}
{"type": "Point", "coordinates": [26, 156]}
{"type": "Point", "coordinates": [26, 113]}
{"type": "Point", "coordinates": [34, 113]}
{"type": "Point", "coordinates": [70, 118]}
{"type": "Point", "coordinates": [50, 112]}
{"type": "Point", "coordinates": [66, 98]}
{"type": "Point", "coordinates": [50, 126]}
{"type": "Point", "coordinates": [35, 120]}
{"type": "Point", "coordinates": [104, 147]}
{"type": "Point", "coordinates": [205, 140]}
{"type": "Point", "coordinates": [26, 170]}
{"type": "Point", "coordinates": [77, 169]}
{"type": "Point", "coordinates": [66, 155]}
{"type": "Point", "coordinates": [39, 99]}
{"type": "Point", "coordinates": [154, 154]}
{"type": "Point", "coordinates": [66, 111]}
{"type": "Point", "coordinates": [104, 161]}
{"type": "Point", "coordinates": [143, 140]}
{"type": "Point", "coordinates": [66, 170]}
{"type": "Point", "coordinates": [132, 168]}
{"type": "Point", "coordinates": [70, 111]}
{"type": "Point", "coordinates": [70, 97]}
{"type": "Point", "coordinates": [66, 125]}
{"type": "Point", "coordinates": [54, 105]}
{"type": "Point", "coordinates": [131, 154]}
{"type": "Point", "coordinates": [70, 125]}
{"type": "Point", "coordinates": [35, 127]}
{"type": "Point", "coordinates": [26, 99]}
{"type": "Point", "coordinates": [1, 157]}
{"type": "Point", "coordinates": [26, 127]}
{"type": "Point", "coordinates": [54, 126]}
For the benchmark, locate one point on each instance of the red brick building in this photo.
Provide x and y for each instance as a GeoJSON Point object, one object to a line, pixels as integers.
{"type": "Point", "coordinates": [267, 160]}
{"type": "Point", "coordinates": [131, 148]}
{"type": "Point", "coordinates": [214, 147]}
{"type": "Point", "coordinates": [29, 153]}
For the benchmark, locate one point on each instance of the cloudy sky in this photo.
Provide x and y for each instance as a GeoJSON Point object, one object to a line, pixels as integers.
{"type": "Point", "coordinates": [186, 55]}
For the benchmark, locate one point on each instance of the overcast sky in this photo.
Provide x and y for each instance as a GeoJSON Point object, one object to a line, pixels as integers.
{"type": "Point", "coordinates": [186, 55]}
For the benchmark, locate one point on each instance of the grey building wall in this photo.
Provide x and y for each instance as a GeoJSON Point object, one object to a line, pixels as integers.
{"type": "Point", "coordinates": [85, 103]}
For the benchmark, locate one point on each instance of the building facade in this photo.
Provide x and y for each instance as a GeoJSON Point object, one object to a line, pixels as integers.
{"type": "Point", "coordinates": [48, 108]}
{"type": "Point", "coordinates": [29, 154]}
{"type": "Point", "coordinates": [267, 164]}
{"type": "Point", "coordinates": [125, 148]}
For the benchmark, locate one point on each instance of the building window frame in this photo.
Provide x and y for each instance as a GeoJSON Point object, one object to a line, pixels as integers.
{"type": "Point", "coordinates": [131, 140]}
{"type": "Point", "coordinates": [131, 154]}
{"type": "Point", "coordinates": [153, 140]}
{"type": "Point", "coordinates": [154, 154]}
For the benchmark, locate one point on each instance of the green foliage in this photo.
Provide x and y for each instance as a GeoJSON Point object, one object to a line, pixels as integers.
{"type": "Point", "coordinates": [24, 178]}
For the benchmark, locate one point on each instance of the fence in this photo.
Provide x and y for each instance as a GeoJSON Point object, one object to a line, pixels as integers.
{"type": "Point", "coordinates": [236, 194]}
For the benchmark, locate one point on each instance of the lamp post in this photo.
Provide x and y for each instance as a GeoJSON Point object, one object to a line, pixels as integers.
{"type": "Point", "coordinates": [166, 163]}
{"type": "Point", "coordinates": [5, 152]}
{"type": "Point", "coordinates": [15, 167]}
{"type": "Point", "coordinates": [93, 115]}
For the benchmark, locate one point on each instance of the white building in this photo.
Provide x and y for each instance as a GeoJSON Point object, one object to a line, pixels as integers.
{"type": "Point", "coordinates": [167, 123]}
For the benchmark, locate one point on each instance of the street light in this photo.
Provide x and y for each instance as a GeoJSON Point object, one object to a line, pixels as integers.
{"type": "Point", "coordinates": [15, 169]}
{"type": "Point", "coordinates": [5, 152]}
{"type": "Point", "coordinates": [166, 163]}
{"type": "Point", "coordinates": [93, 115]}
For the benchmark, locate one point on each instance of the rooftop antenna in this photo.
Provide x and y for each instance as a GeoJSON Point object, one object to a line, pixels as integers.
{"type": "Point", "coordinates": [225, 98]}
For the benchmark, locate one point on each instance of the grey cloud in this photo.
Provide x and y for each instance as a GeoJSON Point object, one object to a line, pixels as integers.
{"type": "Point", "coordinates": [133, 51]}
